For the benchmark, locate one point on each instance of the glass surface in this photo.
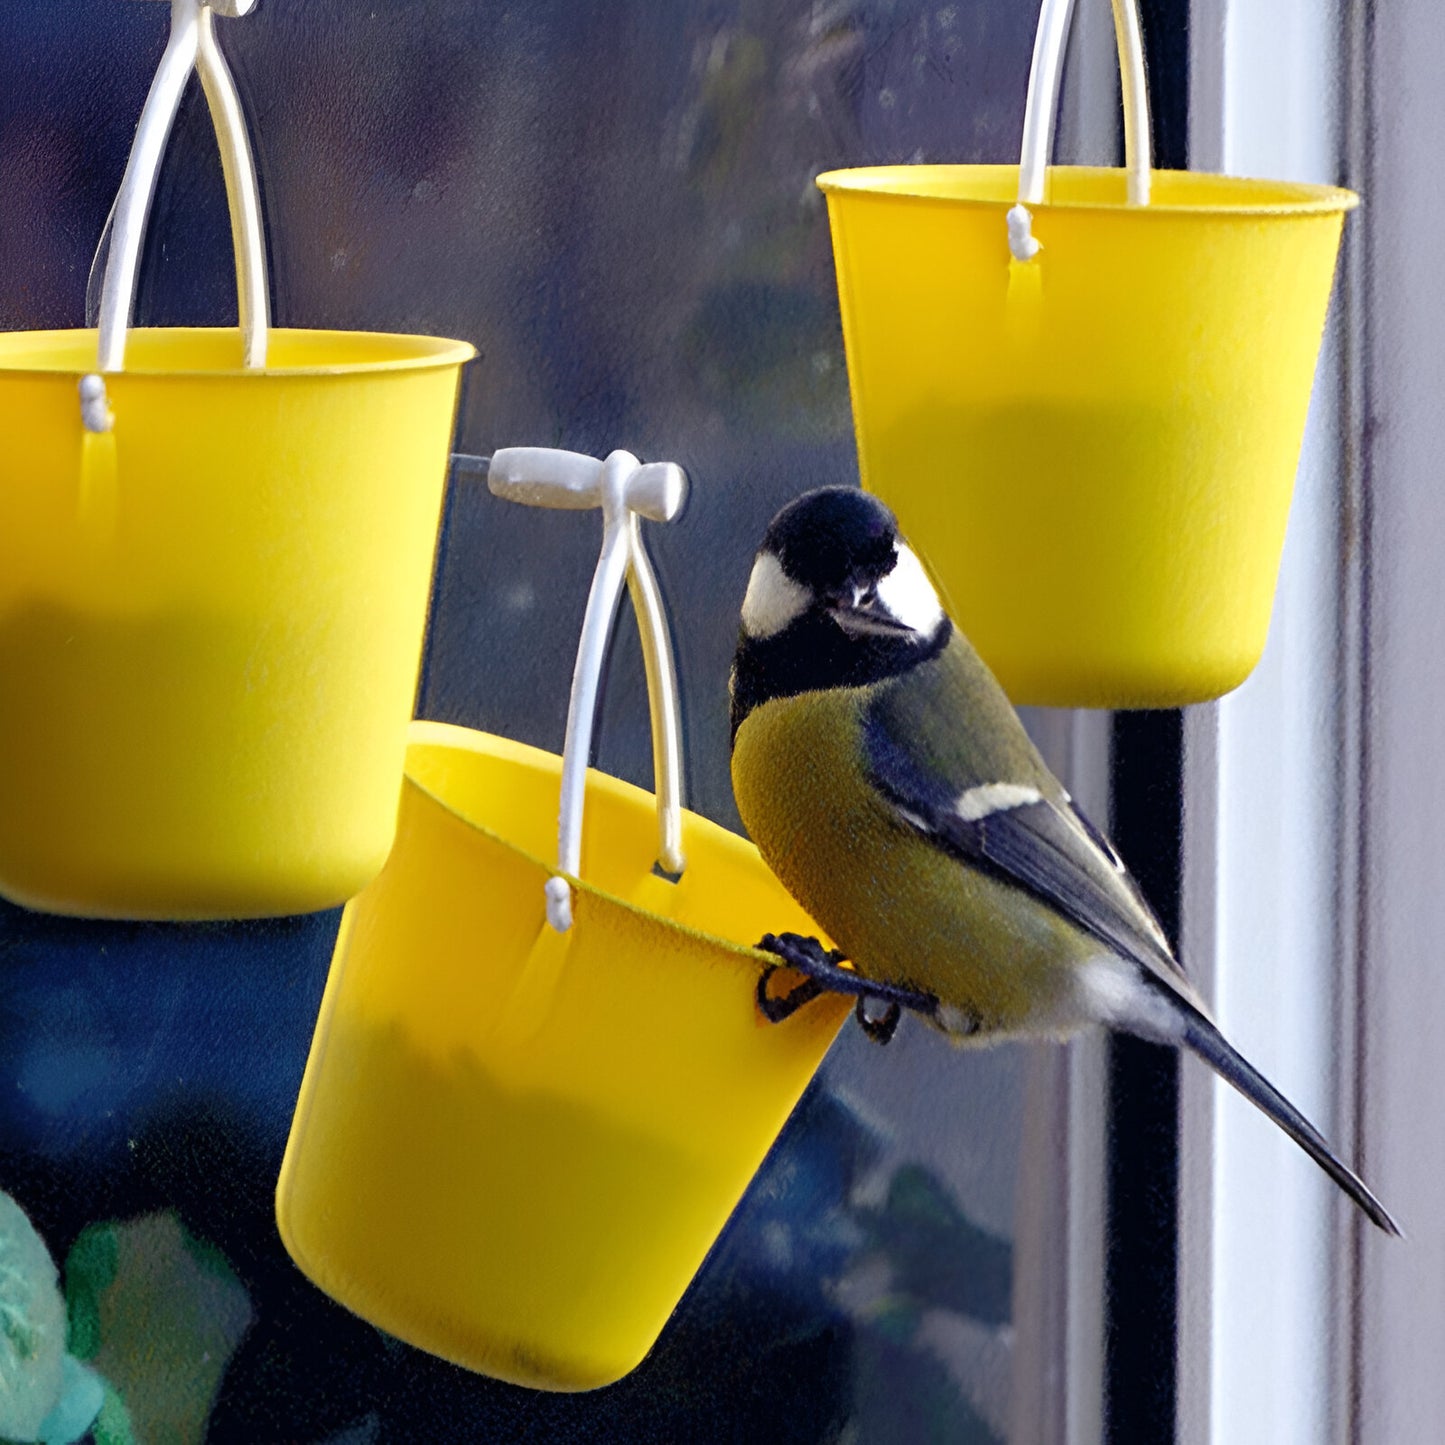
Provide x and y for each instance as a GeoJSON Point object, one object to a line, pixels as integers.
{"type": "Point", "coordinates": [614, 202]}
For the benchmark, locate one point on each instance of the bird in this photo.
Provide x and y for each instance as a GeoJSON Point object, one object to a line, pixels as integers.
{"type": "Point", "coordinates": [887, 781]}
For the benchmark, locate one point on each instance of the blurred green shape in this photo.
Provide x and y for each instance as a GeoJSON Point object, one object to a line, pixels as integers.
{"type": "Point", "coordinates": [89, 1271]}
{"type": "Point", "coordinates": [160, 1314]}
{"type": "Point", "coordinates": [32, 1327]}
{"type": "Point", "coordinates": [112, 1425]}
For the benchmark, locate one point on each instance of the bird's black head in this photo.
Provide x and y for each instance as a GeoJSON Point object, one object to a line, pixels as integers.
{"type": "Point", "coordinates": [828, 540]}
{"type": "Point", "coordinates": [836, 599]}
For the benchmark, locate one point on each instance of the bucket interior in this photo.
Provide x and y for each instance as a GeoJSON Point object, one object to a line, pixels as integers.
{"type": "Point", "coordinates": [509, 791]}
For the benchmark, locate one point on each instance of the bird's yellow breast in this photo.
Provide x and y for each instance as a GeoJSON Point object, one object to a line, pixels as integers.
{"type": "Point", "coordinates": [901, 909]}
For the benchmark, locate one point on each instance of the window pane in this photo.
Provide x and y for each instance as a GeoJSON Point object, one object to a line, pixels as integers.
{"type": "Point", "coordinates": [614, 202]}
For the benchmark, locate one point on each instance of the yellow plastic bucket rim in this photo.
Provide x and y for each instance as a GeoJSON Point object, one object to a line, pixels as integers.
{"type": "Point", "coordinates": [432, 353]}
{"type": "Point", "coordinates": [451, 735]}
{"type": "Point", "coordinates": [921, 183]}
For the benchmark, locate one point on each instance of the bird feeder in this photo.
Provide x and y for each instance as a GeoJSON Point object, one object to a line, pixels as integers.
{"type": "Point", "coordinates": [215, 560]}
{"type": "Point", "coordinates": [540, 1081]}
{"type": "Point", "coordinates": [1083, 391]}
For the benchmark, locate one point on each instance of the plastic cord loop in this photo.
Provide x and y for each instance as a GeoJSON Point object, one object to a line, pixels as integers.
{"type": "Point", "coordinates": [626, 491]}
{"type": "Point", "coordinates": [192, 47]}
{"type": "Point", "coordinates": [1041, 108]}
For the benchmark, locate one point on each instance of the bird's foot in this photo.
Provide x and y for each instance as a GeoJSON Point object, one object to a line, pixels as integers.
{"type": "Point", "coordinates": [777, 1007]}
{"type": "Point", "coordinates": [878, 1027]}
{"type": "Point", "coordinates": [823, 972]}
{"type": "Point", "coordinates": [803, 955]}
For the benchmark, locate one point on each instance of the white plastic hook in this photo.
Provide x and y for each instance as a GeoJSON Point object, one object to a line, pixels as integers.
{"type": "Point", "coordinates": [192, 47]}
{"type": "Point", "coordinates": [626, 490]}
{"type": "Point", "coordinates": [1045, 75]}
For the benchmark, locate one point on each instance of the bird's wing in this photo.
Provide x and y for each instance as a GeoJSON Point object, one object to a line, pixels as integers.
{"type": "Point", "coordinates": [1027, 833]}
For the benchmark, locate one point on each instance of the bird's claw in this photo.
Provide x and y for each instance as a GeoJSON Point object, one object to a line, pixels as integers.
{"type": "Point", "coordinates": [823, 973]}
{"type": "Point", "coordinates": [881, 1027]}
{"type": "Point", "coordinates": [806, 955]}
{"type": "Point", "coordinates": [777, 1007]}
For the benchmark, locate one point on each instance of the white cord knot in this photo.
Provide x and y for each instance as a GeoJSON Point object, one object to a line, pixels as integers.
{"type": "Point", "coordinates": [1021, 240]}
{"type": "Point", "coordinates": [95, 412]}
{"type": "Point", "coordinates": [559, 904]}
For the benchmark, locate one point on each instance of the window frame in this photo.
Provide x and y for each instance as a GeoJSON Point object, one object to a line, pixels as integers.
{"type": "Point", "coordinates": [1279, 795]}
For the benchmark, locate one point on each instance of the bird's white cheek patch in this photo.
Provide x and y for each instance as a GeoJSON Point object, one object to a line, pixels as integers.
{"type": "Point", "coordinates": [773, 599]}
{"type": "Point", "coordinates": [989, 798]}
{"type": "Point", "coordinates": [908, 594]}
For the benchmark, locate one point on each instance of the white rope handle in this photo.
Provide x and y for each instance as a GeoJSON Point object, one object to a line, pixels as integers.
{"type": "Point", "coordinates": [626, 490]}
{"type": "Point", "coordinates": [191, 48]}
{"type": "Point", "coordinates": [1042, 106]}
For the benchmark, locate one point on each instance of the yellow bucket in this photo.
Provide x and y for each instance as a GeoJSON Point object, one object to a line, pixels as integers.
{"type": "Point", "coordinates": [209, 647]}
{"type": "Point", "coordinates": [215, 559]}
{"type": "Point", "coordinates": [1094, 448]}
{"type": "Point", "coordinates": [534, 1098]}
{"type": "Point", "coordinates": [514, 1147]}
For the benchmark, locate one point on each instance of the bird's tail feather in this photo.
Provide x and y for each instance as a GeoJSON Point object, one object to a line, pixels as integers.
{"type": "Point", "coordinates": [1202, 1038]}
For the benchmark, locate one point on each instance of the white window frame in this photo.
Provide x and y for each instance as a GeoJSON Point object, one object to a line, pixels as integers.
{"type": "Point", "coordinates": [1305, 824]}
{"type": "Point", "coordinates": [1396, 1318]}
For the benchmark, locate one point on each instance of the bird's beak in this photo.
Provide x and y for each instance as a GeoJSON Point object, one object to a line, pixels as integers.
{"type": "Point", "coordinates": [861, 613]}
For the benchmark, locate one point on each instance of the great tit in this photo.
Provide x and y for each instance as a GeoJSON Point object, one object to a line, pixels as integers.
{"type": "Point", "coordinates": [888, 782]}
